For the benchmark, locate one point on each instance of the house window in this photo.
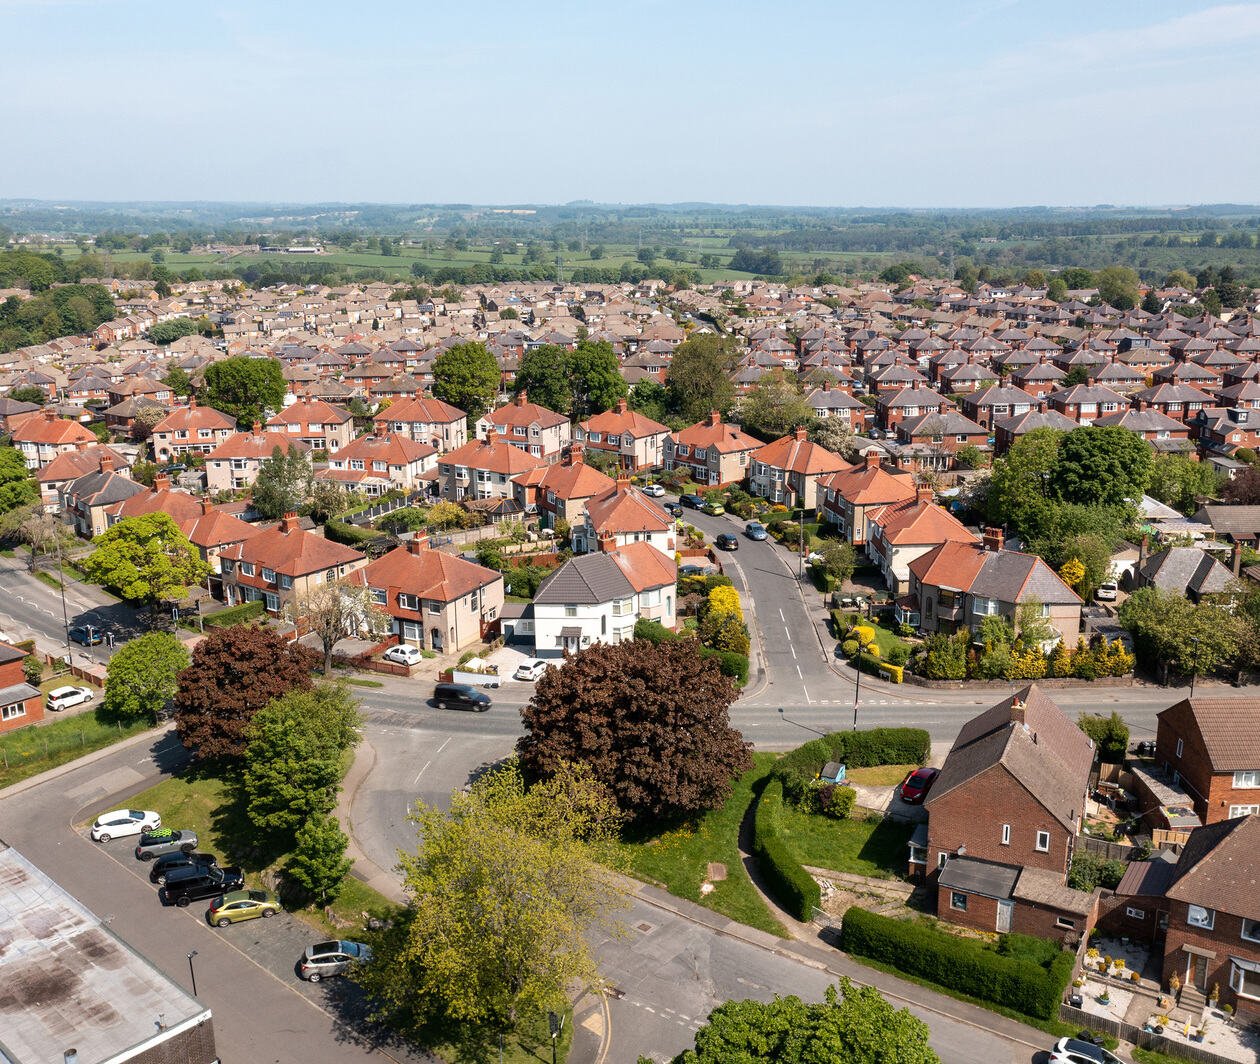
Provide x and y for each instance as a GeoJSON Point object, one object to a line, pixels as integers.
{"type": "Point", "coordinates": [433, 606]}
{"type": "Point", "coordinates": [1180, 747]}
{"type": "Point", "coordinates": [247, 568]}
{"type": "Point", "coordinates": [570, 611]}
{"type": "Point", "coordinates": [14, 709]}
{"type": "Point", "coordinates": [269, 575]}
{"type": "Point", "coordinates": [941, 858]}
{"type": "Point", "coordinates": [380, 596]}
{"type": "Point", "coordinates": [1245, 980]}
{"type": "Point", "coordinates": [1043, 841]}
{"type": "Point", "coordinates": [1251, 930]}
{"type": "Point", "coordinates": [1065, 923]}
{"type": "Point", "coordinates": [1006, 834]}
{"type": "Point", "coordinates": [272, 600]}
{"type": "Point", "coordinates": [1249, 778]}
{"type": "Point", "coordinates": [1243, 810]}
{"type": "Point", "coordinates": [958, 900]}
{"type": "Point", "coordinates": [286, 583]}
{"type": "Point", "coordinates": [1201, 917]}
{"type": "Point", "coordinates": [984, 607]}
{"type": "Point", "coordinates": [1135, 914]}
{"type": "Point", "coordinates": [408, 602]}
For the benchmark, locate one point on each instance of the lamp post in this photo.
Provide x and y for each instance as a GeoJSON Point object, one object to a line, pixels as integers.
{"type": "Point", "coordinates": [192, 972]}
{"type": "Point", "coordinates": [1194, 664]}
{"type": "Point", "coordinates": [857, 683]}
{"type": "Point", "coordinates": [65, 612]}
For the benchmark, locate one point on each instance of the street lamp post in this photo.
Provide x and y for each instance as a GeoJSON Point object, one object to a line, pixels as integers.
{"type": "Point", "coordinates": [1194, 665]}
{"type": "Point", "coordinates": [192, 972]}
{"type": "Point", "coordinates": [857, 683]}
{"type": "Point", "coordinates": [65, 611]}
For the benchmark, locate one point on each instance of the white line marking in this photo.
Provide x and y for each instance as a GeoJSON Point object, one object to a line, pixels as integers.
{"type": "Point", "coordinates": [799, 673]}
{"type": "Point", "coordinates": [793, 650]}
{"type": "Point", "coordinates": [781, 617]}
{"type": "Point", "coordinates": [421, 773]}
{"type": "Point", "coordinates": [441, 748]}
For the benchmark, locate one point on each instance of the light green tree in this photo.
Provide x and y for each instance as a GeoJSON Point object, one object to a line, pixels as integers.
{"type": "Point", "coordinates": [284, 483]}
{"type": "Point", "coordinates": [319, 864]}
{"type": "Point", "coordinates": [773, 406]}
{"type": "Point", "coordinates": [147, 560]}
{"type": "Point", "coordinates": [468, 377]}
{"type": "Point", "coordinates": [699, 376]}
{"type": "Point", "coordinates": [143, 676]}
{"type": "Point", "coordinates": [244, 388]}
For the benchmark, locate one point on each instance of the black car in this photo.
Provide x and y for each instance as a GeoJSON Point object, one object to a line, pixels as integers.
{"type": "Point", "coordinates": [186, 885]}
{"type": "Point", "coordinates": [727, 541]}
{"type": "Point", "coordinates": [167, 863]}
{"type": "Point", "coordinates": [692, 501]}
{"type": "Point", "coordinates": [672, 508]}
{"type": "Point", "coordinates": [86, 635]}
{"type": "Point", "coordinates": [460, 696]}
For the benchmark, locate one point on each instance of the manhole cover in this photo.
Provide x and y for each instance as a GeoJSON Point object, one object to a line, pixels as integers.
{"type": "Point", "coordinates": [645, 927]}
{"type": "Point", "coordinates": [717, 872]}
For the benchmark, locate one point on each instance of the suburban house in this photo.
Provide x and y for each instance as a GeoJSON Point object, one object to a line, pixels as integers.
{"type": "Point", "coordinates": [956, 585]}
{"type": "Point", "coordinates": [86, 501]}
{"type": "Point", "coordinates": [435, 600]}
{"type": "Point", "coordinates": [425, 420]}
{"type": "Point", "coordinates": [1210, 747]}
{"type": "Point", "coordinates": [536, 430]}
{"type": "Point", "coordinates": [190, 429]}
{"type": "Point", "coordinates": [68, 467]}
{"type": "Point", "coordinates": [373, 465]}
{"type": "Point", "coordinates": [990, 405]}
{"type": "Point", "coordinates": [711, 453]}
{"type": "Point", "coordinates": [484, 469]}
{"type": "Point", "coordinates": [850, 495]}
{"type": "Point", "coordinates": [620, 516]}
{"type": "Point", "coordinates": [560, 492]}
{"type": "Point", "coordinates": [903, 531]}
{"type": "Point", "coordinates": [596, 598]}
{"type": "Point", "coordinates": [41, 439]}
{"type": "Point", "coordinates": [315, 423]}
{"type": "Point", "coordinates": [234, 464]}
{"type": "Point", "coordinates": [636, 441]}
{"type": "Point", "coordinates": [1187, 571]}
{"type": "Point", "coordinates": [20, 703]}
{"type": "Point", "coordinates": [828, 401]}
{"type": "Point", "coordinates": [281, 565]}
{"type": "Point", "coordinates": [788, 470]}
{"type": "Point", "coordinates": [1003, 816]}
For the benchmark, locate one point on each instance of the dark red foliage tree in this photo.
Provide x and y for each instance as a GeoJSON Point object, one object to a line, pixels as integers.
{"type": "Point", "coordinates": [651, 721]}
{"type": "Point", "coordinates": [235, 671]}
{"type": "Point", "coordinates": [1244, 489]}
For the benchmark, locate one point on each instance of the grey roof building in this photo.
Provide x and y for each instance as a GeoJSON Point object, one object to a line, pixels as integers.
{"type": "Point", "coordinates": [1188, 571]}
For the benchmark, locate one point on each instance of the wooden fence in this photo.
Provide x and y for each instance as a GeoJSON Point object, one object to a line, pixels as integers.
{"type": "Point", "coordinates": [1113, 851]}
{"type": "Point", "coordinates": [1139, 1036]}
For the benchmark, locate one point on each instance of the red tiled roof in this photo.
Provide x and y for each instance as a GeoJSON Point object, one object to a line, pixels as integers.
{"type": "Point", "coordinates": [308, 411]}
{"type": "Point", "coordinates": [192, 417]}
{"type": "Point", "coordinates": [52, 430]}
{"type": "Point", "coordinates": [796, 454]}
{"type": "Point", "coordinates": [864, 485]}
{"type": "Point", "coordinates": [645, 566]}
{"type": "Point", "coordinates": [714, 434]}
{"type": "Point", "coordinates": [291, 551]}
{"type": "Point", "coordinates": [421, 408]}
{"type": "Point", "coordinates": [255, 445]}
{"type": "Point", "coordinates": [915, 521]}
{"type": "Point", "coordinates": [623, 420]}
{"type": "Point", "coordinates": [522, 412]}
{"type": "Point", "coordinates": [575, 480]}
{"type": "Point", "coordinates": [430, 574]}
{"type": "Point", "coordinates": [494, 455]}
{"type": "Point", "coordinates": [396, 450]}
{"type": "Point", "coordinates": [626, 509]}
{"type": "Point", "coordinates": [70, 465]}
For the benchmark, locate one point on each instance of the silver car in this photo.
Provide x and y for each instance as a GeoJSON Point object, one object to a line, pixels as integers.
{"type": "Point", "coordinates": [331, 958]}
{"type": "Point", "coordinates": [161, 841]}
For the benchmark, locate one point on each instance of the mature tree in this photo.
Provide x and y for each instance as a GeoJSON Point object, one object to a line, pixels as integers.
{"type": "Point", "coordinates": [337, 610]}
{"type": "Point", "coordinates": [1118, 287]}
{"type": "Point", "coordinates": [143, 676]}
{"type": "Point", "coordinates": [29, 393]}
{"type": "Point", "coordinates": [544, 374]}
{"type": "Point", "coordinates": [1151, 303]}
{"type": "Point", "coordinates": [293, 763]}
{"type": "Point", "coordinates": [17, 486]}
{"type": "Point", "coordinates": [504, 889]}
{"type": "Point", "coordinates": [178, 381]}
{"type": "Point", "coordinates": [467, 376]}
{"type": "Point", "coordinates": [45, 534]}
{"type": "Point", "coordinates": [1020, 484]}
{"type": "Point", "coordinates": [650, 399]}
{"type": "Point", "coordinates": [235, 671]}
{"type": "Point", "coordinates": [856, 1025]}
{"type": "Point", "coordinates": [773, 406]}
{"type": "Point", "coordinates": [328, 498]}
{"type": "Point", "coordinates": [1057, 289]}
{"type": "Point", "coordinates": [1170, 633]}
{"type": "Point", "coordinates": [1180, 279]}
{"type": "Point", "coordinates": [834, 433]}
{"type": "Point", "coordinates": [244, 388]}
{"type": "Point", "coordinates": [652, 721]}
{"type": "Point", "coordinates": [838, 560]}
{"type": "Point", "coordinates": [284, 483]}
{"type": "Point", "coordinates": [1180, 481]}
{"type": "Point", "coordinates": [319, 864]}
{"type": "Point", "coordinates": [145, 416]}
{"type": "Point", "coordinates": [1110, 735]}
{"type": "Point", "coordinates": [595, 377]}
{"type": "Point", "coordinates": [1108, 466]}
{"type": "Point", "coordinates": [147, 560]}
{"type": "Point", "coordinates": [167, 332]}
{"type": "Point", "coordinates": [699, 376]}
{"type": "Point", "coordinates": [1244, 488]}
{"type": "Point", "coordinates": [1077, 277]}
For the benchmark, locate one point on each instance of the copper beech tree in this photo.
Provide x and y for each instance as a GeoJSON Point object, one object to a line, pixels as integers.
{"type": "Point", "coordinates": [235, 671]}
{"type": "Point", "coordinates": [652, 722]}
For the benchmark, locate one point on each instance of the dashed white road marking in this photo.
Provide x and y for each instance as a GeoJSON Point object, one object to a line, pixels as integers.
{"type": "Point", "coordinates": [421, 772]}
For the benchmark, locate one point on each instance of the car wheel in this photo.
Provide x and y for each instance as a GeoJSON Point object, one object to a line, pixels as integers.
{"type": "Point", "coordinates": [441, 705]}
{"type": "Point", "coordinates": [268, 913]}
{"type": "Point", "coordinates": [103, 837]}
{"type": "Point", "coordinates": [89, 697]}
{"type": "Point", "coordinates": [146, 857]}
{"type": "Point", "coordinates": [314, 977]}
{"type": "Point", "coordinates": [224, 922]}
{"type": "Point", "coordinates": [183, 902]}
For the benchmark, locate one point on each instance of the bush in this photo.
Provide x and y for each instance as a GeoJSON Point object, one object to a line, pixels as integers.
{"type": "Point", "coordinates": [849, 647]}
{"type": "Point", "coordinates": [1013, 979]}
{"type": "Point", "coordinates": [730, 662]}
{"type": "Point", "coordinates": [344, 532]}
{"type": "Point", "coordinates": [793, 887]}
{"type": "Point", "coordinates": [246, 611]}
{"type": "Point", "coordinates": [836, 800]}
{"type": "Point", "coordinates": [1089, 870]}
{"type": "Point", "coordinates": [946, 657]}
{"type": "Point", "coordinates": [653, 631]}
{"type": "Point", "coordinates": [899, 654]}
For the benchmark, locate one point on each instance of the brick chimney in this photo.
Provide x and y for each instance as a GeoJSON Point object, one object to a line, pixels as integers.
{"type": "Point", "coordinates": [50, 415]}
{"type": "Point", "coordinates": [621, 406]}
{"type": "Point", "coordinates": [607, 543]}
{"type": "Point", "coordinates": [521, 396]}
{"type": "Point", "coordinates": [1235, 560]}
{"type": "Point", "coordinates": [799, 433]}
{"type": "Point", "coordinates": [192, 402]}
{"type": "Point", "coordinates": [714, 419]}
{"type": "Point", "coordinates": [107, 463]}
{"type": "Point", "coordinates": [623, 481]}
{"type": "Point", "coordinates": [924, 494]}
{"type": "Point", "coordinates": [162, 482]}
{"type": "Point", "coordinates": [492, 437]}
{"type": "Point", "coordinates": [872, 459]}
{"type": "Point", "coordinates": [1018, 715]}
{"type": "Point", "coordinates": [418, 543]}
{"type": "Point", "coordinates": [826, 384]}
{"type": "Point", "coordinates": [1143, 550]}
{"type": "Point", "coordinates": [994, 538]}
{"type": "Point", "coordinates": [289, 523]}
{"type": "Point", "coordinates": [206, 505]}
{"type": "Point", "coordinates": [256, 429]}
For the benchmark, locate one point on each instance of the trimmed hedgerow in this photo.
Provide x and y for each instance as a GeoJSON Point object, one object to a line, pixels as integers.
{"type": "Point", "coordinates": [793, 887]}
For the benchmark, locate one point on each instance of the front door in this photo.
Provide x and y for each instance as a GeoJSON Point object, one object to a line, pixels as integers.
{"type": "Point", "coordinates": [1004, 910]}
{"type": "Point", "coordinates": [1196, 971]}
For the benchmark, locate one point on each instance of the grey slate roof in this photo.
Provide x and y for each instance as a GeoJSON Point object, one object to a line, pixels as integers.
{"type": "Point", "coordinates": [102, 489]}
{"type": "Point", "coordinates": [585, 580]}
{"type": "Point", "coordinates": [1183, 569]}
{"type": "Point", "coordinates": [1012, 576]}
{"type": "Point", "coordinates": [979, 877]}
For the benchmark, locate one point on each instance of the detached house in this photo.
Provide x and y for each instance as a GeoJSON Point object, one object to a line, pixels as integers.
{"type": "Point", "coordinates": [789, 470]}
{"type": "Point", "coordinates": [560, 492]}
{"type": "Point", "coordinates": [190, 429]}
{"type": "Point", "coordinates": [374, 465]}
{"type": "Point", "coordinates": [849, 496]}
{"type": "Point", "coordinates": [68, 467]}
{"type": "Point", "coordinates": [622, 515]}
{"type": "Point", "coordinates": [536, 430]}
{"type": "Point", "coordinates": [713, 454]}
{"type": "Point", "coordinates": [425, 420]}
{"type": "Point", "coordinates": [435, 600]}
{"type": "Point", "coordinates": [314, 423]}
{"type": "Point", "coordinates": [234, 464]}
{"type": "Point", "coordinates": [638, 442]}
{"type": "Point", "coordinates": [484, 469]}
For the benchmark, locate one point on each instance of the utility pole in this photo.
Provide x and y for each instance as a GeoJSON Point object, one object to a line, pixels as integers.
{"type": "Point", "coordinates": [65, 612]}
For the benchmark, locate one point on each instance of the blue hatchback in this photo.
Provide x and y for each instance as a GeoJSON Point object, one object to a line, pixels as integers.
{"type": "Point", "coordinates": [756, 530]}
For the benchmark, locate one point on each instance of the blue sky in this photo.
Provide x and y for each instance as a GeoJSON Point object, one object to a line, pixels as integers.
{"type": "Point", "coordinates": [918, 103]}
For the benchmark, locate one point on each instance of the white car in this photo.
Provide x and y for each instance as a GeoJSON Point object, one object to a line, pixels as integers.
{"type": "Point", "coordinates": [403, 654]}
{"type": "Point", "coordinates": [122, 822]}
{"type": "Point", "coordinates": [1075, 1051]}
{"type": "Point", "coordinates": [655, 490]}
{"type": "Point", "coordinates": [530, 669]}
{"type": "Point", "coordinates": [60, 698]}
{"type": "Point", "coordinates": [1107, 591]}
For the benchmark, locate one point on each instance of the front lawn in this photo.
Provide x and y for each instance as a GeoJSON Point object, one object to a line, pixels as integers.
{"type": "Point", "coordinates": [679, 859]}
{"type": "Point", "coordinates": [879, 775]}
{"type": "Point", "coordinates": [32, 750]}
{"type": "Point", "coordinates": [861, 846]}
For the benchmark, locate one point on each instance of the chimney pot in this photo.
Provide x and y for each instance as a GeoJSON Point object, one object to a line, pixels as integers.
{"type": "Point", "coordinates": [162, 482]}
{"type": "Point", "coordinates": [521, 396]}
{"type": "Point", "coordinates": [289, 523]}
{"type": "Point", "coordinates": [872, 459]}
{"type": "Point", "coordinates": [994, 539]}
{"type": "Point", "coordinates": [621, 406]}
{"type": "Point", "coordinates": [206, 505]}
{"type": "Point", "coordinates": [924, 494]}
{"type": "Point", "coordinates": [418, 543]}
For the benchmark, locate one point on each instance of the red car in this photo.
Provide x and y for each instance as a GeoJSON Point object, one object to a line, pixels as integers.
{"type": "Point", "coordinates": [915, 786]}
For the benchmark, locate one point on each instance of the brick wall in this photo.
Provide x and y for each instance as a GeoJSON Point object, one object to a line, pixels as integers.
{"type": "Point", "coordinates": [1224, 939]}
{"type": "Point", "coordinates": [1213, 794]}
{"type": "Point", "coordinates": [1042, 921]}
{"type": "Point", "coordinates": [192, 1046]}
{"type": "Point", "coordinates": [981, 914]}
{"type": "Point", "coordinates": [1113, 919]}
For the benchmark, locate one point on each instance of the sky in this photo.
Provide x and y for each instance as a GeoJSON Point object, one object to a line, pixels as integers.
{"type": "Point", "coordinates": [830, 103]}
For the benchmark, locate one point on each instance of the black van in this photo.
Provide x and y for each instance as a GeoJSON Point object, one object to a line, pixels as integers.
{"type": "Point", "coordinates": [460, 696]}
{"type": "Point", "coordinates": [184, 885]}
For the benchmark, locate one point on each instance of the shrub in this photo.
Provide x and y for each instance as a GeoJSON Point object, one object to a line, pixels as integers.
{"type": "Point", "coordinates": [793, 887]}
{"type": "Point", "coordinates": [653, 631]}
{"type": "Point", "coordinates": [836, 800]}
{"type": "Point", "coordinates": [344, 532]}
{"type": "Point", "coordinates": [899, 654]}
{"type": "Point", "coordinates": [731, 662]}
{"type": "Point", "coordinates": [946, 657]}
{"type": "Point", "coordinates": [864, 634]}
{"type": "Point", "coordinates": [246, 611]}
{"type": "Point", "coordinates": [1090, 870]}
{"type": "Point", "coordinates": [798, 770]}
{"type": "Point", "coordinates": [1013, 979]}
{"type": "Point", "coordinates": [849, 647]}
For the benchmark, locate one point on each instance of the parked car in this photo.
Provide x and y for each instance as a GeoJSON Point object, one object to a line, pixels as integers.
{"type": "Point", "coordinates": [162, 841]}
{"type": "Point", "coordinates": [693, 502]}
{"type": "Point", "coordinates": [460, 696]}
{"type": "Point", "coordinates": [238, 905]}
{"type": "Point", "coordinates": [1144, 748]}
{"type": "Point", "coordinates": [60, 698]}
{"type": "Point", "coordinates": [1078, 1051]}
{"type": "Point", "coordinates": [186, 885]}
{"type": "Point", "coordinates": [655, 490]}
{"type": "Point", "coordinates": [672, 508]}
{"type": "Point", "coordinates": [331, 958]}
{"type": "Point", "coordinates": [727, 541]}
{"type": "Point", "coordinates": [756, 530]}
{"type": "Point", "coordinates": [713, 509]}
{"type": "Point", "coordinates": [914, 788]}
{"type": "Point", "coordinates": [123, 822]}
{"type": "Point", "coordinates": [86, 635]}
{"type": "Point", "coordinates": [1108, 591]}
{"type": "Point", "coordinates": [530, 669]}
{"type": "Point", "coordinates": [692, 570]}
{"type": "Point", "coordinates": [403, 654]}
{"type": "Point", "coordinates": [167, 863]}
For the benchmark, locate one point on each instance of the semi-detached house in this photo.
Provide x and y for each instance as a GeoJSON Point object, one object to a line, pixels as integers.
{"type": "Point", "coordinates": [315, 423]}
{"type": "Point", "coordinates": [536, 430]}
{"type": "Point", "coordinates": [636, 441]}
{"type": "Point", "coordinates": [484, 469]}
{"type": "Point", "coordinates": [789, 470]}
{"type": "Point", "coordinates": [190, 429]}
{"type": "Point", "coordinates": [234, 464]}
{"type": "Point", "coordinates": [713, 454]}
{"type": "Point", "coordinates": [425, 420]}
{"type": "Point", "coordinates": [373, 465]}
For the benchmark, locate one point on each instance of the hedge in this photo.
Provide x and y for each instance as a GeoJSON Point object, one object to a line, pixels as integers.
{"type": "Point", "coordinates": [795, 889]}
{"type": "Point", "coordinates": [348, 534]}
{"type": "Point", "coordinates": [855, 749]}
{"type": "Point", "coordinates": [1012, 979]}
{"type": "Point", "coordinates": [246, 611]}
{"type": "Point", "coordinates": [732, 663]}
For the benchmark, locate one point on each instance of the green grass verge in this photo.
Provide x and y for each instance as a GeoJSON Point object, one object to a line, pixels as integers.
{"type": "Point", "coordinates": [530, 1044]}
{"type": "Point", "coordinates": [1154, 1056]}
{"type": "Point", "coordinates": [863, 847]}
{"type": "Point", "coordinates": [30, 751]}
{"type": "Point", "coordinates": [679, 859]}
{"type": "Point", "coordinates": [49, 579]}
{"type": "Point", "coordinates": [879, 775]}
{"type": "Point", "coordinates": [363, 683]}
